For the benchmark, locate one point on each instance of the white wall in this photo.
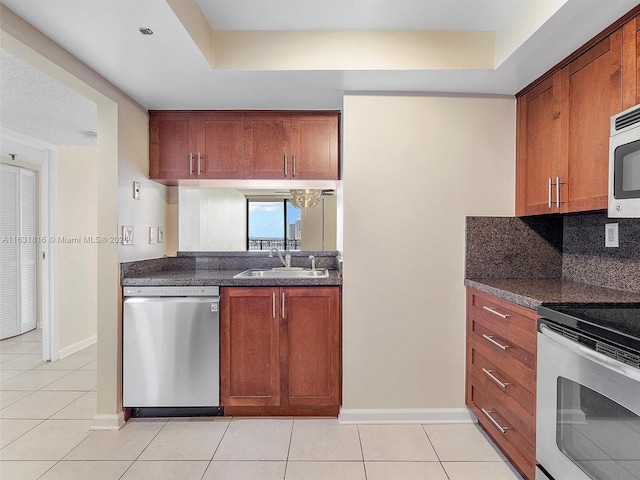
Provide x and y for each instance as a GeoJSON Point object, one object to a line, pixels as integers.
{"type": "Point", "coordinates": [77, 260]}
{"type": "Point", "coordinates": [414, 167]}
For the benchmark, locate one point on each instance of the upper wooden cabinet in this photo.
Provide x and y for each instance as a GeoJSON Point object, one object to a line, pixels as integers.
{"type": "Point", "coordinates": [296, 146]}
{"type": "Point", "coordinates": [189, 145]}
{"type": "Point", "coordinates": [252, 145]}
{"type": "Point", "coordinates": [562, 154]}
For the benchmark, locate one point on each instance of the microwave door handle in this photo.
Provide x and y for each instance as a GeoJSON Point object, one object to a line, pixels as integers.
{"type": "Point", "coordinates": [600, 359]}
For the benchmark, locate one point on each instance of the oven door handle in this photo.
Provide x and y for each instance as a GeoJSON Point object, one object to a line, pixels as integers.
{"type": "Point", "coordinates": [602, 360]}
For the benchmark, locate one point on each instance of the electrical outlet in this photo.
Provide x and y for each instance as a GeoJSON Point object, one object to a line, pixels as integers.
{"type": "Point", "coordinates": [153, 235]}
{"type": "Point", "coordinates": [611, 235]}
{"type": "Point", "coordinates": [160, 235]}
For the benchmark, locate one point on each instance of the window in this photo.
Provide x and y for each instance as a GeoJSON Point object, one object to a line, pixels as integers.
{"type": "Point", "coordinates": [272, 224]}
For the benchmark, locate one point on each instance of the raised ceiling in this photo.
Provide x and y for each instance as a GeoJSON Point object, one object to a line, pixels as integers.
{"type": "Point", "coordinates": [305, 54]}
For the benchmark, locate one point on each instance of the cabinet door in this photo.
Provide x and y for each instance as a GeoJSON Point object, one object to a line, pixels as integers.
{"type": "Point", "coordinates": [315, 146]}
{"type": "Point", "coordinates": [591, 94]}
{"type": "Point", "coordinates": [266, 144]}
{"type": "Point", "coordinates": [310, 346]}
{"type": "Point", "coordinates": [538, 152]}
{"type": "Point", "coordinates": [220, 145]}
{"type": "Point", "coordinates": [172, 145]}
{"type": "Point", "coordinates": [249, 347]}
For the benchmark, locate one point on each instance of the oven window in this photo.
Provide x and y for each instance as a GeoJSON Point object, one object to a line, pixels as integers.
{"type": "Point", "coordinates": [596, 433]}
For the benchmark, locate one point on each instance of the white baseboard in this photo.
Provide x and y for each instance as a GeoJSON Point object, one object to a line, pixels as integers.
{"type": "Point", "coordinates": [76, 347]}
{"type": "Point", "coordinates": [407, 415]}
{"type": "Point", "coordinates": [108, 422]}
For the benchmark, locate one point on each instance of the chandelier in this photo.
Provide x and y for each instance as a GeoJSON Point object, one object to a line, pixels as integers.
{"type": "Point", "coordinates": [305, 199]}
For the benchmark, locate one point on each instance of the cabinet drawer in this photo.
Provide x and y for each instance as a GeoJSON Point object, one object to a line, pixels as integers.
{"type": "Point", "coordinates": [516, 391]}
{"type": "Point", "coordinates": [518, 321]}
{"type": "Point", "coordinates": [510, 433]}
{"type": "Point", "coordinates": [505, 347]}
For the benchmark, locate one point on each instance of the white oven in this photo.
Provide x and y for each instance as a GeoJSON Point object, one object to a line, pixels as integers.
{"type": "Point", "coordinates": [588, 395]}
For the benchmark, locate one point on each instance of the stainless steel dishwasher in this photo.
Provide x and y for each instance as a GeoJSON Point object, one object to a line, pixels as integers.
{"type": "Point", "coordinates": [171, 344]}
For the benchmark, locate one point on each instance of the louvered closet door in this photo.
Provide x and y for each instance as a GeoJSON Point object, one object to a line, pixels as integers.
{"type": "Point", "coordinates": [18, 269]}
{"type": "Point", "coordinates": [28, 250]}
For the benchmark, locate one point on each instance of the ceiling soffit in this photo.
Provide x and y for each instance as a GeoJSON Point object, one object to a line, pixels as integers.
{"type": "Point", "coordinates": [376, 49]}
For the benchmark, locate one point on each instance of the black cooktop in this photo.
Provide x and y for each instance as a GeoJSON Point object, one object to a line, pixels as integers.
{"type": "Point", "coordinates": [615, 323]}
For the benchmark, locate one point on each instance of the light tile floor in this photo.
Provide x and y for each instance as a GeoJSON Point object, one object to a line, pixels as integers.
{"type": "Point", "coordinates": [46, 410]}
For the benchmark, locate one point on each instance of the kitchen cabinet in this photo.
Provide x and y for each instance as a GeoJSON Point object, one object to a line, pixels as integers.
{"type": "Point", "coordinates": [280, 350]}
{"type": "Point", "coordinates": [202, 145]}
{"type": "Point", "coordinates": [195, 145]}
{"type": "Point", "coordinates": [501, 375]}
{"type": "Point", "coordinates": [300, 146]}
{"type": "Point", "coordinates": [563, 127]}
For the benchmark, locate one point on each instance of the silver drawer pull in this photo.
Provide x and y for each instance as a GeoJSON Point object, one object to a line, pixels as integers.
{"type": "Point", "coordinates": [495, 312]}
{"type": "Point", "coordinates": [497, 344]}
{"type": "Point", "coordinates": [490, 374]}
{"type": "Point", "coordinates": [493, 420]}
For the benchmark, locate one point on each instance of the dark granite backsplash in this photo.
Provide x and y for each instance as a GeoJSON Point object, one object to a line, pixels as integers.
{"type": "Point", "coordinates": [587, 260]}
{"type": "Point", "coordinates": [510, 247]}
{"type": "Point", "coordinates": [570, 247]}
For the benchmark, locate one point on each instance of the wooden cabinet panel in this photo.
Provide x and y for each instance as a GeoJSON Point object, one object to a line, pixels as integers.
{"type": "Point", "coordinates": [280, 350]}
{"type": "Point", "coordinates": [220, 138]}
{"type": "Point", "coordinates": [591, 94]}
{"type": "Point", "coordinates": [266, 143]}
{"type": "Point", "coordinates": [172, 139]}
{"type": "Point", "coordinates": [315, 146]}
{"type": "Point", "coordinates": [311, 346]}
{"type": "Point", "coordinates": [538, 147]}
{"type": "Point", "coordinates": [501, 374]}
{"type": "Point", "coordinates": [249, 347]}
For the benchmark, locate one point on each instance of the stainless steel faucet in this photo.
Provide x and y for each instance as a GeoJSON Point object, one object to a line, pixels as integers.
{"type": "Point", "coordinates": [313, 262]}
{"type": "Point", "coordinates": [286, 261]}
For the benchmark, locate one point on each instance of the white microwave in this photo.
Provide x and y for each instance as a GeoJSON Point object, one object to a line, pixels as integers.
{"type": "Point", "coordinates": [624, 164]}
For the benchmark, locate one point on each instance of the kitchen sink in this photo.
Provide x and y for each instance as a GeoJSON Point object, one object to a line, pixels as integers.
{"type": "Point", "coordinates": [283, 272]}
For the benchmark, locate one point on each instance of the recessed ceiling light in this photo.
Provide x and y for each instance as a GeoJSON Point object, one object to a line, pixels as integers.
{"type": "Point", "coordinates": [145, 31]}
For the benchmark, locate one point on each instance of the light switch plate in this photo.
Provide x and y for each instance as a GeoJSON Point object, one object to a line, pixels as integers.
{"type": "Point", "coordinates": [160, 234]}
{"type": "Point", "coordinates": [153, 235]}
{"type": "Point", "coordinates": [127, 235]}
{"type": "Point", "coordinates": [136, 190]}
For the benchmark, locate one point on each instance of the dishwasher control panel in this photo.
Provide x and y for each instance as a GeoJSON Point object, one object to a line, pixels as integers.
{"type": "Point", "coordinates": [171, 291]}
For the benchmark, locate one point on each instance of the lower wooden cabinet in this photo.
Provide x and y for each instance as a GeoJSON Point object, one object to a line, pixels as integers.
{"type": "Point", "coordinates": [280, 350]}
{"type": "Point", "coordinates": [501, 375]}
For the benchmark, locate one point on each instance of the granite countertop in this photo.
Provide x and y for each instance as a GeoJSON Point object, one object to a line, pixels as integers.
{"type": "Point", "coordinates": [222, 278]}
{"type": "Point", "coordinates": [532, 293]}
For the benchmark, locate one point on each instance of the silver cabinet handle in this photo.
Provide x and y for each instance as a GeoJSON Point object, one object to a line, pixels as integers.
{"type": "Point", "coordinates": [550, 192]}
{"type": "Point", "coordinates": [494, 421]}
{"type": "Point", "coordinates": [284, 158]}
{"type": "Point", "coordinates": [191, 164]}
{"type": "Point", "coordinates": [293, 164]}
{"type": "Point", "coordinates": [490, 374]}
{"type": "Point", "coordinates": [273, 304]}
{"type": "Point", "coordinates": [283, 305]}
{"type": "Point", "coordinates": [495, 312]}
{"type": "Point", "coordinates": [497, 344]}
{"type": "Point", "coordinates": [558, 183]}
{"type": "Point", "coordinates": [199, 164]}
